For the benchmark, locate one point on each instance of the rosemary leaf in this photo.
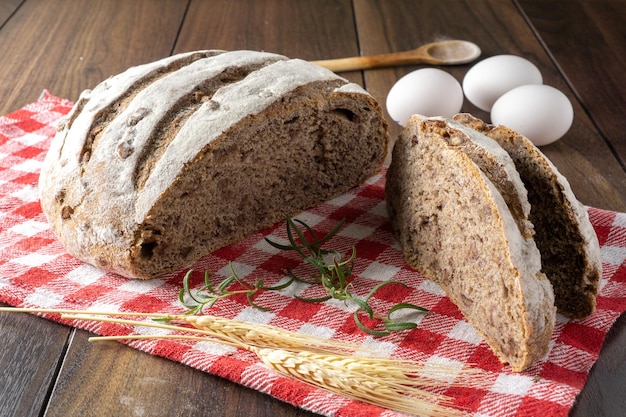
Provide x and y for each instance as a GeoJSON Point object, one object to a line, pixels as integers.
{"type": "Point", "coordinates": [223, 285]}
{"type": "Point", "coordinates": [395, 326]}
{"type": "Point", "coordinates": [380, 285]}
{"type": "Point", "coordinates": [314, 300]}
{"type": "Point", "coordinates": [281, 286]}
{"type": "Point", "coordinates": [372, 332]}
{"type": "Point", "coordinates": [402, 306]}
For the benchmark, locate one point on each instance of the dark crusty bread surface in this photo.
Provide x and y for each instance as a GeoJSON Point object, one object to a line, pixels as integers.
{"type": "Point", "coordinates": [570, 252]}
{"type": "Point", "coordinates": [168, 161]}
{"type": "Point", "coordinates": [454, 226]}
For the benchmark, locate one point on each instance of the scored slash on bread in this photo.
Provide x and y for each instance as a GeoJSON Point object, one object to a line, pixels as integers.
{"type": "Point", "coordinates": [168, 161]}
{"type": "Point", "coordinates": [481, 211]}
{"type": "Point", "coordinates": [570, 252]}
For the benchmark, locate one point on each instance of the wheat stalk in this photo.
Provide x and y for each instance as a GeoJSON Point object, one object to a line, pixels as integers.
{"type": "Point", "coordinates": [390, 383]}
{"type": "Point", "coordinates": [245, 333]}
{"type": "Point", "coordinates": [254, 334]}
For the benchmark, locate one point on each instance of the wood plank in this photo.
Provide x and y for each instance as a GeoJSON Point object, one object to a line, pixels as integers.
{"type": "Point", "coordinates": [595, 30]}
{"type": "Point", "coordinates": [7, 8]}
{"type": "Point", "coordinates": [77, 44]}
{"type": "Point", "coordinates": [316, 29]}
{"type": "Point", "coordinates": [497, 27]}
{"type": "Point", "coordinates": [31, 350]}
{"type": "Point", "coordinates": [111, 379]}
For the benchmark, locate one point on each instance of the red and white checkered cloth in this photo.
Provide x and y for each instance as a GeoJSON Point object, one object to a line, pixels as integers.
{"type": "Point", "coordinates": [35, 271]}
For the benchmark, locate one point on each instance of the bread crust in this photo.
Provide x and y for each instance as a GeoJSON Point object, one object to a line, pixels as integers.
{"type": "Point", "coordinates": [168, 161]}
{"type": "Point", "coordinates": [569, 246]}
{"type": "Point", "coordinates": [455, 227]}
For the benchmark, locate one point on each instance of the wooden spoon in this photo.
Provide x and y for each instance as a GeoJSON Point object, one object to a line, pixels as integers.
{"type": "Point", "coordinates": [449, 52]}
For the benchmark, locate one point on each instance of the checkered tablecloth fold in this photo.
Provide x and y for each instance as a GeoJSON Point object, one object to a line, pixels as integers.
{"type": "Point", "coordinates": [35, 271]}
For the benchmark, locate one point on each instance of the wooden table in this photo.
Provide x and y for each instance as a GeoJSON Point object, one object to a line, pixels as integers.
{"type": "Point", "coordinates": [69, 45]}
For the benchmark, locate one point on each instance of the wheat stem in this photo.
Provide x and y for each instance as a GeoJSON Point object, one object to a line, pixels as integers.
{"type": "Point", "coordinates": [85, 312]}
{"type": "Point", "coordinates": [250, 333]}
{"type": "Point", "coordinates": [166, 336]}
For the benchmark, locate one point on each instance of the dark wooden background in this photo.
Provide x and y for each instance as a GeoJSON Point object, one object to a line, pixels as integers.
{"type": "Point", "coordinates": [66, 46]}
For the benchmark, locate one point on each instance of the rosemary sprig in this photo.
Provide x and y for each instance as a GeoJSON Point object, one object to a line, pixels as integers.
{"type": "Point", "coordinates": [333, 273]}
{"type": "Point", "coordinates": [207, 295]}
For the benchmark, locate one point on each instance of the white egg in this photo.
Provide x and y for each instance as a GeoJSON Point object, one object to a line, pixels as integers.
{"type": "Point", "coordinates": [427, 91]}
{"type": "Point", "coordinates": [541, 113]}
{"type": "Point", "coordinates": [486, 81]}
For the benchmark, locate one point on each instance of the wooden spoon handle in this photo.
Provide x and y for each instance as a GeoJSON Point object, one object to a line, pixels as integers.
{"type": "Point", "coordinates": [375, 61]}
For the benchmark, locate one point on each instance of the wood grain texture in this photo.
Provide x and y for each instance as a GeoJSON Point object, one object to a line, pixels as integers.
{"type": "Point", "coordinates": [31, 350]}
{"type": "Point", "coordinates": [595, 30]}
{"type": "Point", "coordinates": [298, 29]}
{"type": "Point", "coordinates": [67, 46]}
{"type": "Point", "coordinates": [113, 380]}
{"type": "Point", "coordinates": [7, 8]}
{"type": "Point", "coordinates": [497, 27]}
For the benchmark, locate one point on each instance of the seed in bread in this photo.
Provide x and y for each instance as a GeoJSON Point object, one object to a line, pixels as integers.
{"type": "Point", "coordinates": [455, 227]}
{"type": "Point", "coordinates": [168, 161]}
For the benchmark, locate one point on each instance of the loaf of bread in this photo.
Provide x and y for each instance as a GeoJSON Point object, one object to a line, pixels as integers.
{"type": "Point", "coordinates": [168, 161]}
{"type": "Point", "coordinates": [460, 212]}
{"type": "Point", "coordinates": [570, 252]}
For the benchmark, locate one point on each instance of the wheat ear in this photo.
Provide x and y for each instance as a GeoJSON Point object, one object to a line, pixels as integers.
{"type": "Point", "coordinates": [262, 335]}
{"type": "Point", "coordinates": [383, 384]}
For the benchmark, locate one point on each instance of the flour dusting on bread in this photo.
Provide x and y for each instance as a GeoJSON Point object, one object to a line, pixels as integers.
{"type": "Point", "coordinates": [168, 161]}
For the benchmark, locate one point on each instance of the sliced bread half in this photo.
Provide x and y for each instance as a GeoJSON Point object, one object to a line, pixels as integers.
{"type": "Point", "coordinates": [456, 228]}
{"type": "Point", "coordinates": [570, 253]}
